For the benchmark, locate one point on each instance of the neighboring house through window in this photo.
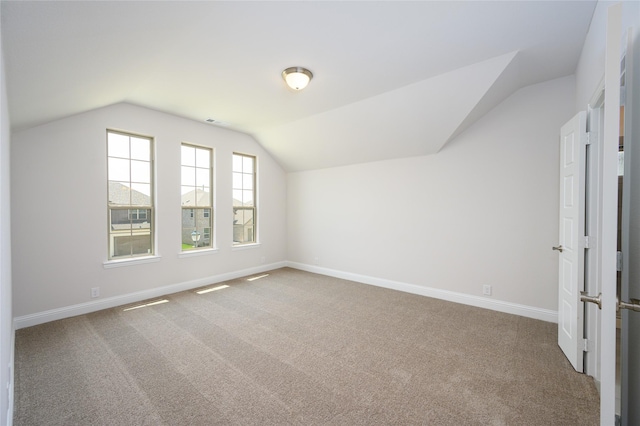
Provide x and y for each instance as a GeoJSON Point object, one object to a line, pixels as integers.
{"type": "Point", "coordinates": [130, 204]}
{"type": "Point", "coordinates": [197, 204]}
{"type": "Point", "coordinates": [244, 199]}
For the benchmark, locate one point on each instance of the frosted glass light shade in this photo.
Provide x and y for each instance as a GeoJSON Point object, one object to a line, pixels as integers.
{"type": "Point", "coordinates": [297, 77]}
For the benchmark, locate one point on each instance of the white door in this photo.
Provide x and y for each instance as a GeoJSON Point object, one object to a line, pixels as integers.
{"type": "Point", "coordinates": [607, 235]}
{"type": "Point", "coordinates": [573, 142]}
{"type": "Point", "coordinates": [630, 235]}
{"type": "Point", "coordinates": [603, 193]}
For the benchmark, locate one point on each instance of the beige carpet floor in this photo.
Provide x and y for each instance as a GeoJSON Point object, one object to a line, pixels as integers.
{"type": "Point", "coordinates": [294, 348]}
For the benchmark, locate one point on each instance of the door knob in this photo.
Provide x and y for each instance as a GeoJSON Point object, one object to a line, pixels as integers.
{"type": "Point", "coordinates": [559, 248]}
{"type": "Point", "coordinates": [632, 305]}
{"type": "Point", "coordinates": [584, 297]}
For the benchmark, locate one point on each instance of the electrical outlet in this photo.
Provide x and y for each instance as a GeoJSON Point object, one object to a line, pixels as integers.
{"type": "Point", "coordinates": [486, 290]}
{"type": "Point", "coordinates": [264, 259]}
{"type": "Point", "coordinates": [315, 260]}
{"type": "Point", "coordinates": [95, 292]}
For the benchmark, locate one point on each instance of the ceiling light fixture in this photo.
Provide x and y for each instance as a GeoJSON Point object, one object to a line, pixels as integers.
{"type": "Point", "coordinates": [297, 77]}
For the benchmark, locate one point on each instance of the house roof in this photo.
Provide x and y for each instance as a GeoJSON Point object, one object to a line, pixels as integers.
{"type": "Point", "coordinates": [122, 195]}
{"type": "Point", "coordinates": [197, 197]}
{"type": "Point", "coordinates": [391, 78]}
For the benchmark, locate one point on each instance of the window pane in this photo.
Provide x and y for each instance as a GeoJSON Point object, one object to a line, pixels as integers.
{"type": "Point", "coordinates": [188, 155]}
{"type": "Point", "coordinates": [202, 219]}
{"type": "Point", "coordinates": [140, 149]}
{"type": "Point", "coordinates": [247, 198]}
{"type": "Point", "coordinates": [119, 193]}
{"type": "Point", "coordinates": [237, 181]}
{"type": "Point", "coordinates": [243, 227]}
{"type": "Point", "coordinates": [247, 181]}
{"type": "Point", "coordinates": [188, 176]}
{"type": "Point", "coordinates": [186, 189]}
{"type": "Point", "coordinates": [202, 177]}
{"type": "Point", "coordinates": [118, 169]}
{"type": "Point", "coordinates": [118, 145]}
{"type": "Point", "coordinates": [129, 173]}
{"type": "Point", "coordinates": [141, 244]}
{"type": "Point", "coordinates": [188, 196]}
{"type": "Point", "coordinates": [247, 164]}
{"type": "Point", "coordinates": [237, 163]}
{"type": "Point", "coordinates": [244, 198]}
{"type": "Point", "coordinates": [122, 246]}
{"type": "Point", "coordinates": [146, 216]}
{"type": "Point", "coordinates": [141, 171]}
{"type": "Point", "coordinates": [141, 194]}
{"type": "Point", "coordinates": [130, 231]}
{"type": "Point", "coordinates": [120, 220]}
{"type": "Point", "coordinates": [237, 227]}
{"type": "Point", "coordinates": [204, 197]}
{"type": "Point", "coordinates": [188, 220]}
{"type": "Point", "coordinates": [237, 197]}
{"type": "Point", "coordinates": [196, 228]}
{"type": "Point", "coordinates": [196, 192]}
{"type": "Point", "coordinates": [202, 158]}
{"type": "Point", "coordinates": [139, 218]}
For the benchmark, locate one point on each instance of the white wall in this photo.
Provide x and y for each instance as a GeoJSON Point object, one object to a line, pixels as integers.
{"type": "Point", "coordinates": [590, 69]}
{"type": "Point", "coordinates": [484, 210]}
{"type": "Point", "coordinates": [6, 318]}
{"type": "Point", "coordinates": [59, 210]}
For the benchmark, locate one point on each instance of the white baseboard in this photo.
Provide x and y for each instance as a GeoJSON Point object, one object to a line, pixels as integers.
{"type": "Point", "coordinates": [10, 386]}
{"type": "Point", "coordinates": [466, 299]}
{"type": "Point", "coordinates": [85, 308]}
{"type": "Point", "coordinates": [451, 296]}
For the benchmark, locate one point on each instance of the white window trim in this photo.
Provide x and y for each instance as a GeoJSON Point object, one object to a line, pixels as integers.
{"type": "Point", "coordinates": [256, 210]}
{"type": "Point", "coordinates": [200, 252]}
{"type": "Point", "coordinates": [117, 263]}
{"type": "Point", "coordinates": [135, 259]}
{"type": "Point", "coordinates": [212, 208]}
{"type": "Point", "coordinates": [246, 246]}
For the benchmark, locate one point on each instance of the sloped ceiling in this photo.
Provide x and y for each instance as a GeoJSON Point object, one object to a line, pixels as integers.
{"type": "Point", "coordinates": [391, 79]}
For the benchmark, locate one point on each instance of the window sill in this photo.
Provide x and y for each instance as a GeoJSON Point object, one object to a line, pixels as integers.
{"type": "Point", "coordinates": [194, 253]}
{"type": "Point", "coordinates": [130, 262]}
{"type": "Point", "coordinates": [245, 246]}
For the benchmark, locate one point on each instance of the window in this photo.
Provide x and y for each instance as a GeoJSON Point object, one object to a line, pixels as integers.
{"type": "Point", "coordinates": [130, 204]}
{"type": "Point", "coordinates": [244, 199]}
{"type": "Point", "coordinates": [137, 214]}
{"type": "Point", "coordinates": [196, 197]}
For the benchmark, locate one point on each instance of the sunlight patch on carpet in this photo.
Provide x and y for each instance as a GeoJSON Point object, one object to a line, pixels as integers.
{"type": "Point", "coordinates": [157, 302]}
{"type": "Point", "coordinates": [209, 290]}
{"type": "Point", "coordinates": [257, 278]}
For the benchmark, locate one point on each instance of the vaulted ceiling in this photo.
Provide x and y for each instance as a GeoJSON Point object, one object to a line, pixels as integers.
{"type": "Point", "coordinates": [391, 79]}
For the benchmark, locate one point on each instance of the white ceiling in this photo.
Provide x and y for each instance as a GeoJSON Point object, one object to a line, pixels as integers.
{"type": "Point", "coordinates": [391, 79]}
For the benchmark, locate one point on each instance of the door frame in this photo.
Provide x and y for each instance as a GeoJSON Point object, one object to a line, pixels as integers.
{"type": "Point", "coordinates": [603, 120]}
{"type": "Point", "coordinates": [628, 364]}
{"type": "Point", "coordinates": [608, 220]}
{"type": "Point", "coordinates": [595, 133]}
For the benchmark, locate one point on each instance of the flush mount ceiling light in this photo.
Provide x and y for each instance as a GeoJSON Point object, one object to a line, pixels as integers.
{"type": "Point", "coordinates": [297, 77]}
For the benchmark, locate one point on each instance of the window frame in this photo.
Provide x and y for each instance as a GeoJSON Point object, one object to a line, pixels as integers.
{"type": "Point", "coordinates": [111, 207]}
{"type": "Point", "coordinates": [193, 210]}
{"type": "Point", "coordinates": [254, 208]}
